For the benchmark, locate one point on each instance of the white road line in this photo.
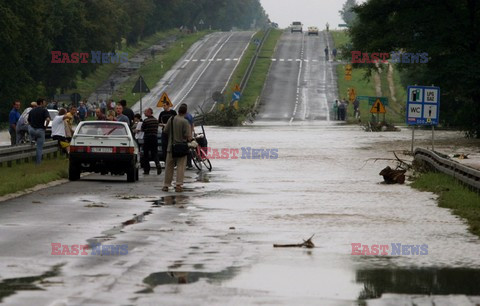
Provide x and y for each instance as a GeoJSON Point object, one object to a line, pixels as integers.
{"type": "Point", "coordinates": [195, 60]}
{"type": "Point", "coordinates": [297, 100]}
{"type": "Point", "coordinates": [282, 60]}
{"type": "Point", "coordinates": [233, 70]}
{"type": "Point", "coordinates": [290, 59]}
{"type": "Point", "coordinates": [274, 59]}
{"type": "Point", "coordinates": [219, 59]}
{"type": "Point", "coordinates": [227, 59]}
{"type": "Point", "coordinates": [203, 60]}
{"type": "Point", "coordinates": [203, 71]}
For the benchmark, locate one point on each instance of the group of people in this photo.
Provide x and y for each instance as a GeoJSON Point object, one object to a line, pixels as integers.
{"type": "Point", "coordinates": [327, 53]}
{"type": "Point", "coordinates": [176, 128]}
{"type": "Point", "coordinates": [340, 109]}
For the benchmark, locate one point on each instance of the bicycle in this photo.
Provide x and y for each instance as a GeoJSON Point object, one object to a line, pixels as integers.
{"type": "Point", "coordinates": [199, 154]}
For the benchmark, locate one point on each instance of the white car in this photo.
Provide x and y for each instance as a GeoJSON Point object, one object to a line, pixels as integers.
{"type": "Point", "coordinates": [103, 147]}
{"type": "Point", "coordinates": [296, 26]}
{"type": "Point", "coordinates": [312, 31]}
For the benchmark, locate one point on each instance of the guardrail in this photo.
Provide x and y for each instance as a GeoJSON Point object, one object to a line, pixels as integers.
{"type": "Point", "coordinates": [26, 152]}
{"type": "Point", "coordinates": [465, 174]}
{"type": "Point", "coordinates": [250, 67]}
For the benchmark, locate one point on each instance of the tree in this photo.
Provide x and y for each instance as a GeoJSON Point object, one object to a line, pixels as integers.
{"type": "Point", "coordinates": [448, 31]}
{"type": "Point", "coordinates": [346, 12]}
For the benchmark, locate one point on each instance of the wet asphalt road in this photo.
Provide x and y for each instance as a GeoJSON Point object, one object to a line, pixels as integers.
{"type": "Point", "coordinates": [213, 244]}
{"type": "Point", "coordinates": [218, 236]}
{"type": "Point", "coordinates": [301, 84]}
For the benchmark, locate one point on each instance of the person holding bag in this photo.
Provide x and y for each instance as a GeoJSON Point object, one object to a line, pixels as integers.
{"type": "Point", "coordinates": [179, 133]}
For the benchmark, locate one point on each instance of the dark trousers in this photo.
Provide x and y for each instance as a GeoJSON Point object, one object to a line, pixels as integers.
{"type": "Point", "coordinates": [13, 136]}
{"type": "Point", "coordinates": [150, 151]}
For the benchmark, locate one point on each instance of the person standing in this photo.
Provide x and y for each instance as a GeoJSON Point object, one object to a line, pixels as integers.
{"type": "Point", "coordinates": [99, 115]}
{"type": "Point", "coordinates": [334, 53]}
{"type": "Point", "coordinates": [127, 111]}
{"type": "Point", "coordinates": [326, 53]}
{"type": "Point", "coordinates": [13, 117]}
{"type": "Point", "coordinates": [356, 105]}
{"type": "Point", "coordinates": [38, 119]}
{"type": "Point", "coordinates": [189, 118]}
{"type": "Point", "coordinates": [82, 111]}
{"type": "Point", "coordinates": [137, 129]}
{"type": "Point", "coordinates": [120, 116]}
{"type": "Point", "coordinates": [163, 118]}
{"type": "Point", "coordinates": [22, 124]}
{"type": "Point", "coordinates": [103, 107]}
{"type": "Point", "coordinates": [335, 110]}
{"type": "Point", "coordinates": [180, 128]}
{"type": "Point", "coordinates": [59, 128]}
{"type": "Point", "coordinates": [150, 142]}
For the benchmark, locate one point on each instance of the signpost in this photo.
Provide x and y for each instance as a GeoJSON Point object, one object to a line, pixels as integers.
{"type": "Point", "coordinates": [140, 87]}
{"type": "Point", "coordinates": [352, 94]}
{"type": "Point", "coordinates": [164, 99]}
{"type": "Point", "coordinates": [423, 108]}
{"type": "Point", "coordinates": [348, 72]}
{"type": "Point", "coordinates": [378, 108]}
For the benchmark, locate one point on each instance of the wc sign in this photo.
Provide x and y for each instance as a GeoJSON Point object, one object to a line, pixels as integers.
{"type": "Point", "coordinates": [423, 105]}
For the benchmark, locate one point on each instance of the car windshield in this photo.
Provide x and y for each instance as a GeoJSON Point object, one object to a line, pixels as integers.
{"type": "Point", "coordinates": [103, 129]}
{"type": "Point", "coordinates": [297, 23]}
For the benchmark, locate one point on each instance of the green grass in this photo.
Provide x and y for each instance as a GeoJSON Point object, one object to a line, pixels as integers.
{"type": "Point", "coordinates": [259, 73]}
{"type": "Point", "coordinates": [366, 87]}
{"type": "Point", "coordinates": [154, 69]}
{"type": "Point", "coordinates": [22, 176]}
{"type": "Point", "coordinates": [453, 195]}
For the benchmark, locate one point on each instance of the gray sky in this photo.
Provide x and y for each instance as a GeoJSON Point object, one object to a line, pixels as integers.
{"type": "Point", "coordinates": [309, 12]}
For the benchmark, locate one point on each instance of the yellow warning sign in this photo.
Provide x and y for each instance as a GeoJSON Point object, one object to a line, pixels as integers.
{"type": "Point", "coordinates": [237, 88]}
{"type": "Point", "coordinates": [352, 94]}
{"type": "Point", "coordinates": [164, 99]}
{"type": "Point", "coordinates": [378, 108]}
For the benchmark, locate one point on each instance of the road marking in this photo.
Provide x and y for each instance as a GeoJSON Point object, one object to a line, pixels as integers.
{"type": "Point", "coordinates": [282, 60]}
{"type": "Point", "coordinates": [194, 60]}
{"type": "Point", "coordinates": [219, 59]}
{"type": "Point", "coordinates": [227, 59]}
{"type": "Point", "coordinates": [290, 59]}
{"type": "Point", "coordinates": [236, 59]}
{"type": "Point", "coordinates": [203, 60]}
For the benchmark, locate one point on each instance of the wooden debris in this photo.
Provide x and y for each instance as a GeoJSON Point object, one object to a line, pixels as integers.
{"type": "Point", "coordinates": [393, 176]}
{"type": "Point", "coordinates": [306, 243]}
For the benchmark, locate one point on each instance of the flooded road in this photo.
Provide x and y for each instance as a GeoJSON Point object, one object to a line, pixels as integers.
{"type": "Point", "coordinates": [213, 244]}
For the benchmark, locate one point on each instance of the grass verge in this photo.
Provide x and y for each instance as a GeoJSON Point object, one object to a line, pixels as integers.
{"type": "Point", "coordinates": [462, 201]}
{"type": "Point", "coordinates": [366, 87]}
{"type": "Point", "coordinates": [27, 175]}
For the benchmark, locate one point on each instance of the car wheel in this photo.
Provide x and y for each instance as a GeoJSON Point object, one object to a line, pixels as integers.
{"type": "Point", "coordinates": [73, 172]}
{"type": "Point", "coordinates": [131, 172]}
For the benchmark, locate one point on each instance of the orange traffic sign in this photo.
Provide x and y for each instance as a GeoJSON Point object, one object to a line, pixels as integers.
{"type": "Point", "coordinates": [352, 94]}
{"type": "Point", "coordinates": [164, 99]}
{"type": "Point", "coordinates": [378, 108]}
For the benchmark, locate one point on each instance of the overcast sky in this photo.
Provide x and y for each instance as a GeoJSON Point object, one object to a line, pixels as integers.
{"type": "Point", "coordinates": [309, 12]}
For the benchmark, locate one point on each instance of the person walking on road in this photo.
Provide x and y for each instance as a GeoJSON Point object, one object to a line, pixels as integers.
{"type": "Point", "coordinates": [150, 142]}
{"type": "Point", "coordinates": [38, 119]}
{"type": "Point", "coordinates": [335, 110]}
{"type": "Point", "coordinates": [181, 133]}
{"type": "Point", "coordinates": [13, 117]}
{"type": "Point", "coordinates": [326, 53]}
{"type": "Point", "coordinates": [163, 118]}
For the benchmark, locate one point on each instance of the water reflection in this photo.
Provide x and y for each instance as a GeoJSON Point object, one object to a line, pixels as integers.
{"type": "Point", "coordinates": [418, 281]}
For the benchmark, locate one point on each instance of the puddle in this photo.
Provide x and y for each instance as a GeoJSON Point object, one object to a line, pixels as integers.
{"type": "Point", "coordinates": [10, 286]}
{"type": "Point", "coordinates": [443, 281]}
{"type": "Point", "coordinates": [171, 200]}
{"type": "Point", "coordinates": [178, 277]}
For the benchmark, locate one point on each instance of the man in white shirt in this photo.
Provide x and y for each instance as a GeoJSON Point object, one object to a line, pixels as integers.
{"type": "Point", "coordinates": [58, 130]}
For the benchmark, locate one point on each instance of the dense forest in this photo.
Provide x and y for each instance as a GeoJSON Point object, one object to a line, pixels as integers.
{"type": "Point", "coordinates": [31, 30]}
{"type": "Point", "coordinates": [448, 30]}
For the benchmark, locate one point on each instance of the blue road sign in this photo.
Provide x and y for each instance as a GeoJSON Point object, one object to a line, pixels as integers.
{"type": "Point", "coordinates": [236, 96]}
{"type": "Point", "coordinates": [423, 105]}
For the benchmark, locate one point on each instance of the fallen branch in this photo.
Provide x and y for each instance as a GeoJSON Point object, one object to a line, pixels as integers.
{"type": "Point", "coordinates": [306, 243]}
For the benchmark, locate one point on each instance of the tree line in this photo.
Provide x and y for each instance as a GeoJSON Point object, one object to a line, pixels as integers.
{"type": "Point", "coordinates": [448, 30]}
{"type": "Point", "coordinates": [31, 30]}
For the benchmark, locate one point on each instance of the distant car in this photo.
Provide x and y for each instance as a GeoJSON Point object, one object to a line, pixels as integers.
{"type": "Point", "coordinates": [103, 147]}
{"type": "Point", "coordinates": [296, 26]}
{"type": "Point", "coordinates": [312, 31]}
{"type": "Point", "coordinates": [48, 131]}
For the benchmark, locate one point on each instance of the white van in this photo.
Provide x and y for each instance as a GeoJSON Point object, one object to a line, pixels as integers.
{"type": "Point", "coordinates": [296, 26]}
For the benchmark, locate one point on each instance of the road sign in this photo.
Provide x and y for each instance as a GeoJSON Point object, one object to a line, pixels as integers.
{"type": "Point", "coordinates": [236, 96]}
{"type": "Point", "coordinates": [378, 108]}
{"type": "Point", "coordinates": [164, 99]}
{"type": "Point", "coordinates": [342, 25]}
{"type": "Point", "coordinates": [372, 100]}
{"type": "Point", "coordinates": [352, 94]}
{"type": "Point", "coordinates": [140, 86]}
{"type": "Point", "coordinates": [423, 105]}
{"type": "Point", "coordinates": [348, 72]}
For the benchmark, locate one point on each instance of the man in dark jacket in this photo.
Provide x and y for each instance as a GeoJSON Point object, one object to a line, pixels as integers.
{"type": "Point", "coordinates": [150, 142]}
{"type": "Point", "coordinates": [38, 119]}
{"type": "Point", "coordinates": [127, 111]}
